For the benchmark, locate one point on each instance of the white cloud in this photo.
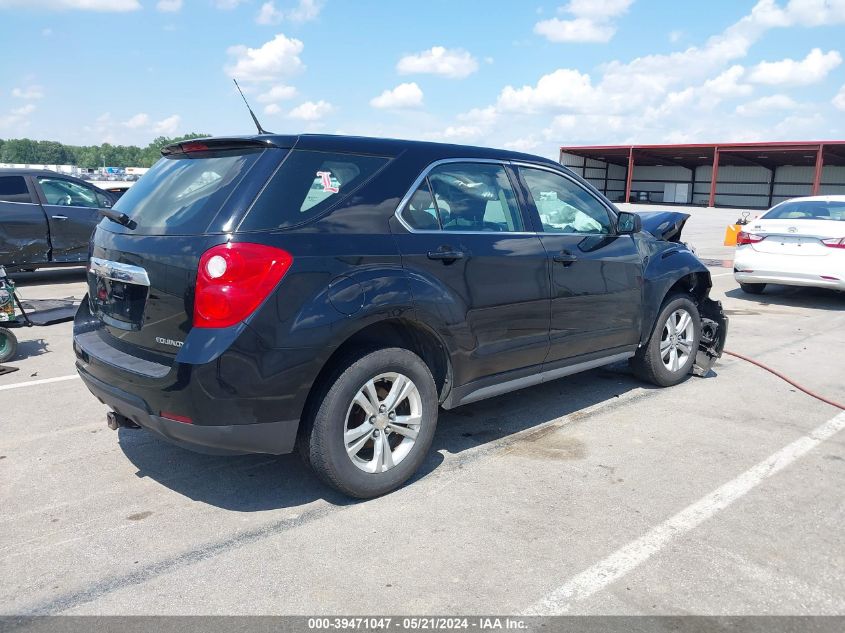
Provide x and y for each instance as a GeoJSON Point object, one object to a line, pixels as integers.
{"type": "Point", "coordinates": [277, 58]}
{"type": "Point", "coordinates": [813, 68]}
{"type": "Point", "coordinates": [168, 126]}
{"type": "Point", "coordinates": [839, 99]}
{"type": "Point", "coordinates": [453, 63]}
{"type": "Point", "coordinates": [279, 92]}
{"type": "Point", "coordinates": [304, 11]}
{"type": "Point", "coordinates": [269, 14]}
{"type": "Point", "coordinates": [17, 118]}
{"type": "Point", "coordinates": [526, 144]}
{"type": "Point", "coordinates": [116, 6]}
{"type": "Point", "coordinates": [564, 88]}
{"type": "Point", "coordinates": [699, 93]}
{"type": "Point", "coordinates": [766, 105]}
{"type": "Point", "coordinates": [591, 21]}
{"type": "Point", "coordinates": [272, 109]}
{"type": "Point", "coordinates": [47, 32]}
{"type": "Point", "coordinates": [29, 93]}
{"type": "Point", "coordinates": [311, 111]}
{"type": "Point", "coordinates": [169, 6]}
{"type": "Point", "coordinates": [227, 5]}
{"type": "Point", "coordinates": [139, 120]}
{"type": "Point", "coordinates": [403, 96]}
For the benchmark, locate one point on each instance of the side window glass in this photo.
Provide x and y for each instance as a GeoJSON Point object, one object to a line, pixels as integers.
{"type": "Point", "coordinates": [13, 189]}
{"type": "Point", "coordinates": [420, 212]}
{"type": "Point", "coordinates": [475, 197]}
{"type": "Point", "coordinates": [563, 205]}
{"type": "Point", "coordinates": [68, 194]}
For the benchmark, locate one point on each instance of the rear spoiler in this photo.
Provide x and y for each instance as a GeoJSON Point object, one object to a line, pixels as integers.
{"type": "Point", "coordinates": [216, 145]}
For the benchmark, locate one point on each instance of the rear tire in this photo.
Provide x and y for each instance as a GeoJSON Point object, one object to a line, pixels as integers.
{"type": "Point", "coordinates": [669, 355]}
{"type": "Point", "coordinates": [373, 424]}
{"type": "Point", "coordinates": [8, 345]}
{"type": "Point", "coordinates": [752, 289]}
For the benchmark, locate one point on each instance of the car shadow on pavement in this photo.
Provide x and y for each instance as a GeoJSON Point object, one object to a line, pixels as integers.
{"type": "Point", "coordinates": [253, 483]}
{"type": "Point", "coordinates": [793, 296]}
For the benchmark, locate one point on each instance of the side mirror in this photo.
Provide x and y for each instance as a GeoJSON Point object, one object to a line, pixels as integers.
{"type": "Point", "coordinates": [628, 223]}
{"type": "Point", "coordinates": [107, 204]}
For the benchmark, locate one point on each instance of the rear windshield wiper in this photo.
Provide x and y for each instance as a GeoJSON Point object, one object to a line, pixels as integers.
{"type": "Point", "coordinates": [120, 218]}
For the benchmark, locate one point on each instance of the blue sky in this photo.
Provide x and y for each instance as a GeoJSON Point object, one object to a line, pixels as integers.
{"type": "Point", "coordinates": [518, 74]}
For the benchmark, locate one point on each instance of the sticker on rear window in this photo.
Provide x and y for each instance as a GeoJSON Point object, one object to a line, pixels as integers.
{"type": "Point", "coordinates": [326, 179]}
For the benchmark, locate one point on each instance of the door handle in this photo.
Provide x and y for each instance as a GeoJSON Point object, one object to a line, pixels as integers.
{"type": "Point", "coordinates": [60, 217]}
{"type": "Point", "coordinates": [565, 258]}
{"type": "Point", "coordinates": [446, 254]}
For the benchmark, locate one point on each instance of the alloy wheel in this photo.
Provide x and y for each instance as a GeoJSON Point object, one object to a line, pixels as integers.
{"type": "Point", "coordinates": [676, 340]}
{"type": "Point", "coordinates": [382, 422]}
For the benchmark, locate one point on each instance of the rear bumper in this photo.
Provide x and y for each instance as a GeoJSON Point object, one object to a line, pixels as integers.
{"type": "Point", "coordinates": [788, 279]}
{"type": "Point", "coordinates": [275, 438]}
{"type": "Point", "coordinates": [789, 270]}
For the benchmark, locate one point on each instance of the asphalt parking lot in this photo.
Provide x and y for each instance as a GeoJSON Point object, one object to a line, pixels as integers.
{"type": "Point", "coordinates": [595, 494]}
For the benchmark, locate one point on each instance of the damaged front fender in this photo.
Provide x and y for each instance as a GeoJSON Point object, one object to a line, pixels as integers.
{"type": "Point", "coordinates": [714, 333]}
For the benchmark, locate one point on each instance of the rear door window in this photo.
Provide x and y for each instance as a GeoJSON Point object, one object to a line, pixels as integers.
{"type": "Point", "coordinates": [306, 185]}
{"type": "Point", "coordinates": [475, 197]}
{"type": "Point", "coordinates": [13, 189]}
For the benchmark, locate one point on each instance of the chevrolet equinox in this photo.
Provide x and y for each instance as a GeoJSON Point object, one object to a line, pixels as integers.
{"type": "Point", "coordinates": [258, 294]}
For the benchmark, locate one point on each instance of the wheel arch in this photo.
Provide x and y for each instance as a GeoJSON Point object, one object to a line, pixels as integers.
{"type": "Point", "coordinates": [390, 332]}
{"type": "Point", "coordinates": [689, 277]}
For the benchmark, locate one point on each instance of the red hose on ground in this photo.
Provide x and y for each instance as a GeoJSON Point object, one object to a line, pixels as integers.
{"type": "Point", "coordinates": [789, 380]}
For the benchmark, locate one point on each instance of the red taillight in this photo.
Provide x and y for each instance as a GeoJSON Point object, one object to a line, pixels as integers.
{"type": "Point", "coordinates": [194, 147]}
{"type": "Point", "coordinates": [748, 238]}
{"type": "Point", "coordinates": [834, 242]}
{"type": "Point", "coordinates": [233, 279]}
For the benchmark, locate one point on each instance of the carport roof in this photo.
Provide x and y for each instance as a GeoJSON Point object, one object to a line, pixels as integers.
{"type": "Point", "coordinates": [768, 155]}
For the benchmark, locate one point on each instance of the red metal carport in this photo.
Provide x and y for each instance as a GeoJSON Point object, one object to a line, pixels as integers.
{"type": "Point", "coordinates": [770, 156]}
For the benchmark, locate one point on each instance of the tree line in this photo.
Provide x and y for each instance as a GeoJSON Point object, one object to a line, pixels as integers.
{"type": "Point", "coordinates": [27, 151]}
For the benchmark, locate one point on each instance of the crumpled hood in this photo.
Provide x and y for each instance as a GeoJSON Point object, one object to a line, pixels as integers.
{"type": "Point", "coordinates": [664, 225]}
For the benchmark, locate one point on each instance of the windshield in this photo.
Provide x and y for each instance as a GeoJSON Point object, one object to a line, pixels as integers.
{"type": "Point", "coordinates": [183, 193]}
{"type": "Point", "coordinates": [807, 210]}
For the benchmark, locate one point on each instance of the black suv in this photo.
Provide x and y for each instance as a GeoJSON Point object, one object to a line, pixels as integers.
{"type": "Point", "coordinates": [254, 294]}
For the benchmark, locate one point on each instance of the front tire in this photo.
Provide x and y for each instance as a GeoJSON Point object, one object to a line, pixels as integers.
{"type": "Point", "coordinates": [374, 424]}
{"type": "Point", "coordinates": [669, 355]}
{"type": "Point", "coordinates": [752, 289]}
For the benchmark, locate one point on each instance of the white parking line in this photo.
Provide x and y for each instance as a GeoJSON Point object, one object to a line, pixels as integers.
{"type": "Point", "coordinates": [722, 274]}
{"type": "Point", "coordinates": [627, 558]}
{"type": "Point", "coordinates": [31, 383]}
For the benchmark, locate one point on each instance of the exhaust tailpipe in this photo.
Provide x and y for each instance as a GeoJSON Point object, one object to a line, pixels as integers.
{"type": "Point", "coordinates": [114, 421]}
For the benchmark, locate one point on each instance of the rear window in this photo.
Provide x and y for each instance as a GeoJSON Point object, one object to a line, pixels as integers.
{"type": "Point", "coordinates": [13, 189]}
{"type": "Point", "coordinates": [306, 185]}
{"type": "Point", "coordinates": [807, 210]}
{"type": "Point", "coordinates": [183, 193]}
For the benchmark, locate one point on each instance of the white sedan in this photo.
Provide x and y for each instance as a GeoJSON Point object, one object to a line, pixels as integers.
{"type": "Point", "coordinates": [799, 242]}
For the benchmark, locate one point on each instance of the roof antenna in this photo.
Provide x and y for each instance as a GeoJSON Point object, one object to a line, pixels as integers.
{"type": "Point", "coordinates": [261, 130]}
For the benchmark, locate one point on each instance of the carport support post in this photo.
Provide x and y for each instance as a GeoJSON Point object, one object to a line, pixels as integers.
{"type": "Point", "coordinates": [714, 178]}
{"type": "Point", "coordinates": [630, 175]}
{"type": "Point", "coordinates": [817, 176]}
